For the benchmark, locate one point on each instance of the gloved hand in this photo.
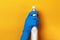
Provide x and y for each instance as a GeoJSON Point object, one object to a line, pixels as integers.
{"type": "Point", "coordinates": [29, 23]}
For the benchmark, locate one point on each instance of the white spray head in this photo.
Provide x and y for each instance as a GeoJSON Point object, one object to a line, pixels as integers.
{"type": "Point", "coordinates": [34, 9]}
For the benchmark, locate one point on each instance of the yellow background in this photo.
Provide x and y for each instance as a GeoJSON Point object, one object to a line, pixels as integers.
{"type": "Point", "coordinates": [14, 12]}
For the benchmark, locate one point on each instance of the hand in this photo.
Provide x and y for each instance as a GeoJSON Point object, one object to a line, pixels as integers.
{"type": "Point", "coordinates": [29, 23]}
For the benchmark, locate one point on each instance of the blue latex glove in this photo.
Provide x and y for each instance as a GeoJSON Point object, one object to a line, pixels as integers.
{"type": "Point", "coordinates": [29, 23]}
